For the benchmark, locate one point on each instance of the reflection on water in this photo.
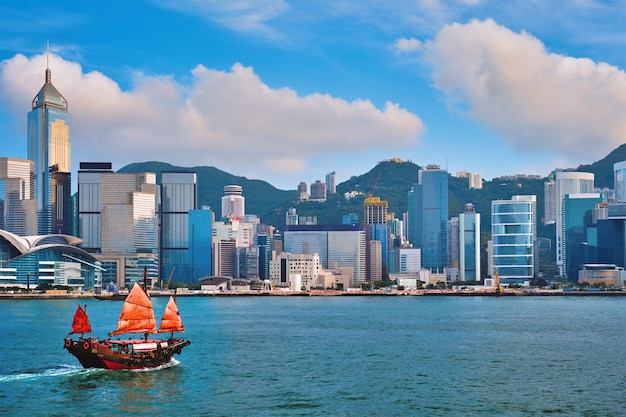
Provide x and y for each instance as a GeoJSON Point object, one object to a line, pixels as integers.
{"type": "Point", "coordinates": [125, 392]}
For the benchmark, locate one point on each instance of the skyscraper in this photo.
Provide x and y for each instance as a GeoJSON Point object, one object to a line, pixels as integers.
{"type": "Point", "coordinates": [233, 202]}
{"type": "Point", "coordinates": [619, 177]}
{"type": "Point", "coordinates": [568, 182]}
{"type": "Point", "coordinates": [577, 219]}
{"type": "Point", "coordinates": [331, 183]}
{"type": "Point", "coordinates": [469, 244]}
{"type": "Point", "coordinates": [428, 216]}
{"type": "Point", "coordinates": [375, 215]}
{"type": "Point", "coordinates": [179, 195]}
{"type": "Point", "coordinates": [18, 209]}
{"type": "Point", "coordinates": [513, 231]}
{"type": "Point", "coordinates": [118, 222]}
{"type": "Point", "coordinates": [49, 125]}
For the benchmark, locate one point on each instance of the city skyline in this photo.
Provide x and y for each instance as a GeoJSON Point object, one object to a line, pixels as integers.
{"type": "Point", "coordinates": [285, 92]}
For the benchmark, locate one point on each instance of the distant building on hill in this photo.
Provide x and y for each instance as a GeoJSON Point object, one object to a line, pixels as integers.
{"type": "Point", "coordinates": [318, 191]}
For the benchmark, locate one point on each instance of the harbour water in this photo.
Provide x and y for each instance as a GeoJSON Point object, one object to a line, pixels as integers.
{"type": "Point", "coordinates": [333, 356]}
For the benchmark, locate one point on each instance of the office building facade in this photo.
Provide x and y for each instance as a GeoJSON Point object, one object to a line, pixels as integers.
{"type": "Point", "coordinates": [18, 208]}
{"type": "Point", "coordinates": [118, 222]}
{"type": "Point", "coordinates": [428, 217]}
{"type": "Point", "coordinates": [179, 196]}
{"type": "Point", "coordinates": [568, 182]}
{"type": "Point", "coordinates": [577, 222]}
{"type": "Point", "coordinates": [49, 125]}
{"type": "Point", "coordinates": [513, 234]}
{"type": "Point", "coordinates": [469, 244]}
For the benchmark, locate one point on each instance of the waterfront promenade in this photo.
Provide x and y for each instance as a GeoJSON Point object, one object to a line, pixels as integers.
{"type": "Point", "coordinates": [330, 293]}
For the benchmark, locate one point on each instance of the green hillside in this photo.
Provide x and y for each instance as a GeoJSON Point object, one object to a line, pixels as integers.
{"type": "Point", "coordinates": [261, 197]}
{"type": "Point", "coordinates": [389, 180]}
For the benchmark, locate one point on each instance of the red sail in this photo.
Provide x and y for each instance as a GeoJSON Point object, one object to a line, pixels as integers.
{"type": "Point", "coordinates": [171, 321]}
{"type": "Point", "coordinates": [137, 315]}
{"type": "Point", "coordinates": [81, 322]}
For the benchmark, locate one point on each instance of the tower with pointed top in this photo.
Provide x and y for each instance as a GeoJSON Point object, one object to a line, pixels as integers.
{"type": "Point", "coordinates": [49, 124]}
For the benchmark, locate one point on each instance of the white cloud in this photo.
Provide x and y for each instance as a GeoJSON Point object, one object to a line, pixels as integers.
{"type": "Point", "coordinates": [405, 45]}
{"type": "Point", "coordinates": [231, 120]}
{"type": "Point", "coordinates": [240, 15]}
{"type": "Point", "coordinates": [534, 99]}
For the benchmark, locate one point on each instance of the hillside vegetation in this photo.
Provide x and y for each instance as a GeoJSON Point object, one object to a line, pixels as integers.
{"type": "Point", "coordinates": [390, 180]}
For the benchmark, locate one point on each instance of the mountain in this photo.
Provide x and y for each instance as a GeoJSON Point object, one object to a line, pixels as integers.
{"type": "Point", "coordinates": [603, 169]}
{"type": "Point", "coordinates": [261, 197]}
{"type": "Point", "coordinates": [390, 180]}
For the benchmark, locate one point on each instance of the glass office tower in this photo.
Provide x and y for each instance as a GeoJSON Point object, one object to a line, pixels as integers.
{"type": "Point", "coordinates": [513, 234]}
{"type": "Point", "coordinates": [49, 125]}
{"type": "Point", "coordinates": [469, 244]}
{"type": "Point", "coordinates": [428, 216]}
{"type": "Point", "coordinates": [577, 218]}
{"type": "Point", "coordinates": [179, 195]}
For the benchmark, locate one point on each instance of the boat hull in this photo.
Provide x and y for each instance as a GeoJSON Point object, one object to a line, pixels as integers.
{"type": "Point", "coordinates": [124, 354]}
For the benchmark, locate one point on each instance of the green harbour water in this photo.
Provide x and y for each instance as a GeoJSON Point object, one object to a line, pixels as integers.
{"type": "Point", "coordinates": [333, 356]}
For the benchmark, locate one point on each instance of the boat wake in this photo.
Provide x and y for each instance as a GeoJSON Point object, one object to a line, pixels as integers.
{"type": "Point", "coordinates": [172, 363]}
{"type": "Point", "coordinates": [63, 370]}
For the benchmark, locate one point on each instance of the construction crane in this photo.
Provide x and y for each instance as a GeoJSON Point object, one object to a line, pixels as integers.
{"type": "Point", "coordinates": [497, 287]}
{"type": "Point", "coordinates": [170, 278]}
{"type": "Point", "coordinates": [371, 193]}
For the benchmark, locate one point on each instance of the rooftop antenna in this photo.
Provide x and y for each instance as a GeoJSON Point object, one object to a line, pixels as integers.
{"type": "Point", "coordinates": [48, 75]}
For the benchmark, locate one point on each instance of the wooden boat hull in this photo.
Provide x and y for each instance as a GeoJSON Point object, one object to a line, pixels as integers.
{"type": "Point", "coordinates": [116, 354]}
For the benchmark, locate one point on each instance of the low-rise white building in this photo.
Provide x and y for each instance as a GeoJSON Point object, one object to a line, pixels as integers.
{"type": "Point", "coordinates": [286, 267]}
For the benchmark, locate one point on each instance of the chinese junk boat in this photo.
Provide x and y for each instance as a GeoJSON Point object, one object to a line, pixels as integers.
{"type": "Point", "coordinates": [129, 353]}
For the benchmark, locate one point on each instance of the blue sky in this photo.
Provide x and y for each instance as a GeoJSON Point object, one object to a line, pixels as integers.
{"type": "Point", "coordinates": [287, 91]}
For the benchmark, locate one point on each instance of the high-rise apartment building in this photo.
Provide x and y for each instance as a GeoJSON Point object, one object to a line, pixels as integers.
{"type": "Point", "coordinates": [303, 193]}
{"type": "Point", "coordinates": [469, 244]}
{"type": "Point", "coordinates": [549, 198]}
{"type": "Point", "coordinates": [49, 124]}
{"type": "Point", "coordinates": [233, 202]}
{"type": "Point", "coordinates": [513, 234]}
{"type": "Point", "coordinates": [318, 191]}
{"type": "Point", "coordinates": [18, 208]}
{"type": "Point", "coordinates": [179, 196]}
{"type": "Point", "coordinates": [428, 216]}
{"type": "Point", "coordinates": [331, 183]}
{"type": "Point", "coordinates": [118, 222]}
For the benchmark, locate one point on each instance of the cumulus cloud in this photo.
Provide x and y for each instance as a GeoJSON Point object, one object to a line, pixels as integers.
{"type": "Point", "coordinates": [536, 100]}
{"type": "Point", "coordinates": [221, 118]}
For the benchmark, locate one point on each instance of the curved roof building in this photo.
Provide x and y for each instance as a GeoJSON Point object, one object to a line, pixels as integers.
{"type": "Point", "coordinates": [28, 261]}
